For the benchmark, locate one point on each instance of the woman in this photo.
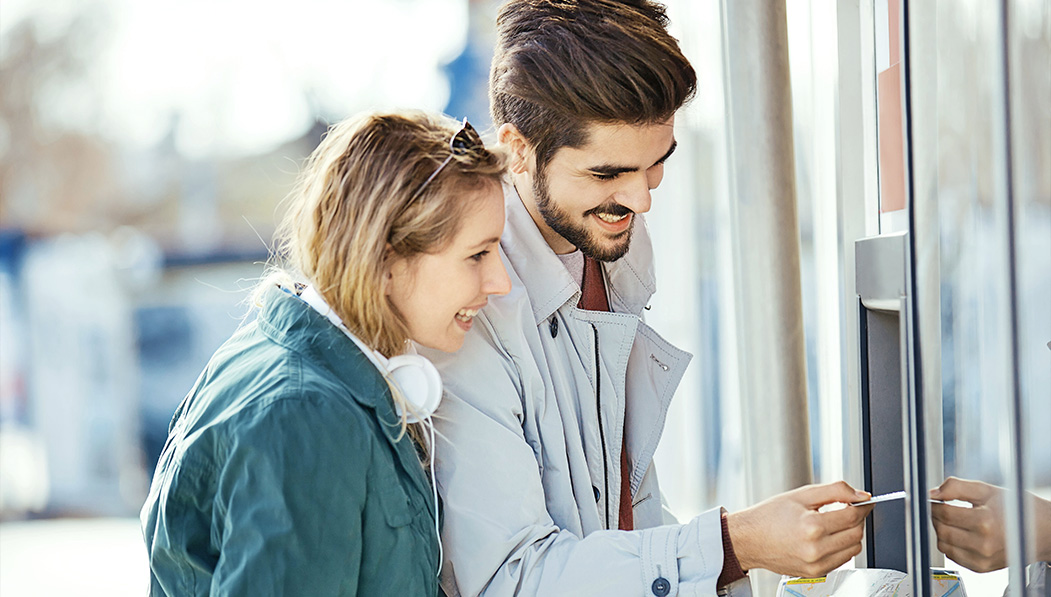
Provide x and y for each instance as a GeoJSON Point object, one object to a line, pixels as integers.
{"type": "Point", "coordinates": [293, 467]}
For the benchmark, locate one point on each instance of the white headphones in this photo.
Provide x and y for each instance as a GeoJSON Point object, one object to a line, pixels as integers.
{"type": "Point", "coordinates": [416, 377]}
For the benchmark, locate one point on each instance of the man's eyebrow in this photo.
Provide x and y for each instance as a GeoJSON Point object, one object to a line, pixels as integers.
{"type": "Point", "coordinates": [668, 153]}
{"type": "Point", "coordinates": [613, 170]}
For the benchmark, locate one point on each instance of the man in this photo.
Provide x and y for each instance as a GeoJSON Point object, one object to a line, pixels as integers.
{"type": "Point", "coordinates": [556, 402]}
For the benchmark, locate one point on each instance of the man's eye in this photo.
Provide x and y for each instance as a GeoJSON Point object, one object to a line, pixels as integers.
{"type": "Point", "coordinates": [604, 176]}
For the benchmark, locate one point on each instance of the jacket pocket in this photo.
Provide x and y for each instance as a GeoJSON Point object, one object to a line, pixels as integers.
{"type": "Point", "coordinates": [641, 500]}
{"type": "Point", "coordinates": [397, 508]}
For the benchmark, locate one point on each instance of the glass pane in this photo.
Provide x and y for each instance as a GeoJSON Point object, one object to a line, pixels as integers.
{"type": "Point", "coordinates": [1029, 45]}
{"type": "Point", "coordinates": [978, 361]}
{"type": "Point", "coordinates": [974, 309]}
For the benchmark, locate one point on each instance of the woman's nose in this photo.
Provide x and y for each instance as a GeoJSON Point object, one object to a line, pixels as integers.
{"type": "Point", "coordinates": [496, 279]}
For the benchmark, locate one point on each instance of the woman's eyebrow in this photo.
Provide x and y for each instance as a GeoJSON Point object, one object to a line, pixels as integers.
{"type": "Point", "coordinates": [485, 243]}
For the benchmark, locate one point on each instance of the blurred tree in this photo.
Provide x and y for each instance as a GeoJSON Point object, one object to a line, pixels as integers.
{"type": "Point", "coordinates": [51, 179]}
{"type": "Point", "coordinates": [56, 178]}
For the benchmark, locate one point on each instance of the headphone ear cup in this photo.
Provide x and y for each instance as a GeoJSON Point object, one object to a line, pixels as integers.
{"type": "Point", "coordinates": [419, 382]}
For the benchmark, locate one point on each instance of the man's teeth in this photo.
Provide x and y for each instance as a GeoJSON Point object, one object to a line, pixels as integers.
{"type": "Point", "coordinates": [612, 219]}
{"type": "Point", "coordinates": [465, 315]}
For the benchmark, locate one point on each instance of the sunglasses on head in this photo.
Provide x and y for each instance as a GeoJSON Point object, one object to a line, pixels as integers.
{"type": "Point", "coordinates": [463, 142]}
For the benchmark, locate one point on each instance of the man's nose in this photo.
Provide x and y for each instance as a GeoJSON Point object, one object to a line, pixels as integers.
{"type": "Point", "coordinates": [636, 194]}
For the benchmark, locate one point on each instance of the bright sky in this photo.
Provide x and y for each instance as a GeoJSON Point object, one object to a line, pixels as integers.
{"type": "Point", "coordinates": [244, 76]}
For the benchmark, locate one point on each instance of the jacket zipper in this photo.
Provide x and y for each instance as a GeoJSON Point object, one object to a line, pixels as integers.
{"type": "Point", "coordinates": [601, 432]}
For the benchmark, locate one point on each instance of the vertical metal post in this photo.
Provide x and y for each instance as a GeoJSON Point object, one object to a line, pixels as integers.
{"type": "Point", "coordinates": [916, 483]}
{"type": "Point", "coordinates": [1014, 509]}
{"type": "Point", "coordinates": [920, 57]}
{"type": "Point", "coordinates": [857, 180]}
{"type": "Point", "coordinates": [766, 247]}
{"type": "Point", "coordinates": [923, 111]}
{"type": "Point", "coordinates": [858, 197]}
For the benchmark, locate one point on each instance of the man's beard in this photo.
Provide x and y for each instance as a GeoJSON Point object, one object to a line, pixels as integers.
{"type": "Point", "coordinates": [578, 235]}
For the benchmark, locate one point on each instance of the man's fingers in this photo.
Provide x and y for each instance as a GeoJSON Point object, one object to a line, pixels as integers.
{"type": "Point", "coordinates": [960, 538]}
{"type": "Point", "coordinates": [962, 518]}
{"type": "Point", "coordinates": [815, 496]}
{"type": "Point", "coordinates": [845, 539]}
{"type": "Point", "coordinates": [956, 554]}
{"type": "Point", "coordinates": [817, 548]}
{"type": "Point", "coordinates": [974, 492]}
{"type": "Point", "coordinates": [835, 560]}
{"type": "Point", "coordinates": [972, 560]}
{"type": "Point", "coordinates": [847, 518]}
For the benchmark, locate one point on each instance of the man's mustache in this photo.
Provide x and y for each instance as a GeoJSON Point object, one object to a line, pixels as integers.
{"type": "Point", "coordinates": [611, 208]}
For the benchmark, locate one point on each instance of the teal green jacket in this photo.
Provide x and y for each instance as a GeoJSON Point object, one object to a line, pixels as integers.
{"type": "Point", "coordinates": [284, 474]}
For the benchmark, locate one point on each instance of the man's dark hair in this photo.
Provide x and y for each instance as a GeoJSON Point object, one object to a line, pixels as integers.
{"type": "Point", "coordinates": [561, 65]}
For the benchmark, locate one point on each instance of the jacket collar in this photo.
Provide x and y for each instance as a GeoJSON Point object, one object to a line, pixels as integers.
{"type": "Point", "coordinates": [630, 279]}
{"type": "Point", "coordinates": [292, 323]}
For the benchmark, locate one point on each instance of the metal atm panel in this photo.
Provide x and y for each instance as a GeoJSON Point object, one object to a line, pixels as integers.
{"type": "Point", "coordinates": [880, 283]}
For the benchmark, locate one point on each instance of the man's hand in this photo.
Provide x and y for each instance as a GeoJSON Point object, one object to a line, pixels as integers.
{"type": "Point", "coordinates": [974, 537]}
{"type": "Point", "coordinates": [786, 533]}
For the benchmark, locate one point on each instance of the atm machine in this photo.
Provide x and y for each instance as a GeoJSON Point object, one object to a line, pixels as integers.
{"type": "Point", "coordinates": [894, 430]}
{"type": "Point", "coordinates": [892, 436]}
{"type": "Point", "coordinates": [897, 428]}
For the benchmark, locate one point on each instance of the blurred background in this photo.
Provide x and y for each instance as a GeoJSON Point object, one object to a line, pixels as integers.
{"type": "Point", "coordinates": [144, 151]}
{"type": "Point", "coordinates": [145, 148]}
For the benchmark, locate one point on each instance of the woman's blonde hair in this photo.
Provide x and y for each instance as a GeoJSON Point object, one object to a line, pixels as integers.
{"type": "Point", "coordinates": [361, 203]}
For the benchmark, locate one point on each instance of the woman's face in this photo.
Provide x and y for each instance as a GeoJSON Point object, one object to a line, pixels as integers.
{"type": "Point", "coordinates": [440, 293]}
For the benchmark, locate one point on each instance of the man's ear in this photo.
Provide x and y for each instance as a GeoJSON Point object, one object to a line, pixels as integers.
{"type": "Point", "coordinates": [519, 148]}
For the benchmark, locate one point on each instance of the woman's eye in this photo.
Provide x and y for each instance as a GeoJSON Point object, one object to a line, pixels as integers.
{"type": "Point", "coordinates": [479, 255]}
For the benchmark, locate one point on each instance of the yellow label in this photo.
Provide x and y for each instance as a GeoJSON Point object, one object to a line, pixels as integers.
{"type": "Point", "coordinates": [945, 577]}
{"type": "Point", "coordinates": [806, 581]}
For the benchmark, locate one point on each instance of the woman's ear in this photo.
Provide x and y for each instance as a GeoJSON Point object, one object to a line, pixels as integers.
{"type": "Point", "coordinates": [397, 270]}
{"type": "Point", "coordinates": [390, 264]}
{"type": "Point", "coordinates": [519, 148]}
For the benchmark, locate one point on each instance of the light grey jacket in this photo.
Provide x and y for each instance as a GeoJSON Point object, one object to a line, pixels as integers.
{"type": "Point", "coordinates": [529, 478]}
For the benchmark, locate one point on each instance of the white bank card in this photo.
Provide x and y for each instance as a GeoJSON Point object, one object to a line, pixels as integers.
{"type": "Point", "coordinates": [888, 497]}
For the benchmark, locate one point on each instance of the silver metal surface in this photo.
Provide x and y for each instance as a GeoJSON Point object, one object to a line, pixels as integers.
{"type": "Point", "coordinates": [880, 280]}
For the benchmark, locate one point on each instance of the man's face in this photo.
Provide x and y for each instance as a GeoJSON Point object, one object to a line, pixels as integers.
{"type": "Point", "coordinates": [587, 197]}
